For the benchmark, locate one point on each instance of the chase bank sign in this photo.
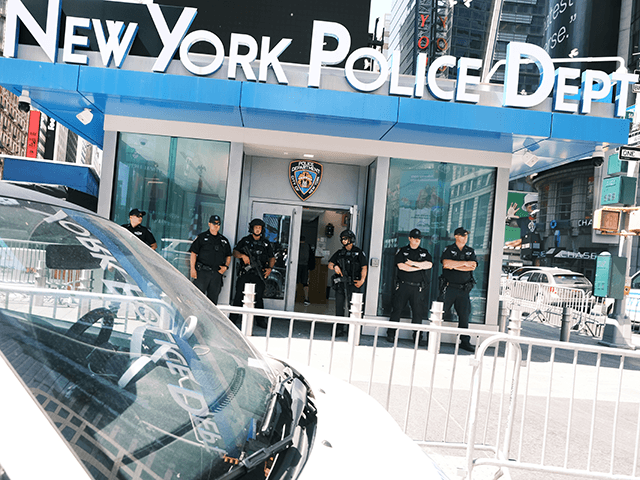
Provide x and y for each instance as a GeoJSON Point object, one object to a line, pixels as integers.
{"type": "Point", "coordinates": [114, 44]}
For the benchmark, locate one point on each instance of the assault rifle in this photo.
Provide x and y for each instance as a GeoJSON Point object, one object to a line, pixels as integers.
{"type": "Point", "coordinates": [344, 281]}
{"type": "Point", "coordinates": [253, 265]}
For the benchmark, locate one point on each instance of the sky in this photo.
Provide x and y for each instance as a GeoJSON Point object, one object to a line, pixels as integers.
{"type": "Point", "coordinates": [378, 9]}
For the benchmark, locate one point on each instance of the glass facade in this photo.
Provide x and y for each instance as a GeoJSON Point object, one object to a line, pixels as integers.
{"type": "Point", "coordinates": [179, 182]}
{"type": "Point", "coordinates": [437, 198]}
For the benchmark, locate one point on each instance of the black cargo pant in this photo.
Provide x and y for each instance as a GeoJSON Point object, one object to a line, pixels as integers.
{"type": "Point", "coordinates": [455, 296]}
{"type": "Point", "coordinates": [407, 292]}
{"type": "Point", "coordinates": [209, 282]}
{"type": "Point", "coordinates": [250, 277]}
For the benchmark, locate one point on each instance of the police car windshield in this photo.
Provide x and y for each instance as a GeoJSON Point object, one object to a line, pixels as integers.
{"type": "Point", "coordinates": [141, 374]}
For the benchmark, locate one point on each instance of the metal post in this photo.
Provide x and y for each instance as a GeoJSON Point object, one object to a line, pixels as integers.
{"type": "Point", "coordinates": [41, 282]}
{"type": "Point", "coordinates": [515, 329]}
{"type": "Point", "coordinates": [356, 312]}
{"type": "Point", "coordinates": [437, 311]}
{"type": "Point", "coordinates": [503, 315]}
{"type": "Point", "coordinates": [565, 330]}
{"type": "Point", "coordinates": [515, 322]}
{"type": "Point", "coordinates": [248, 301]}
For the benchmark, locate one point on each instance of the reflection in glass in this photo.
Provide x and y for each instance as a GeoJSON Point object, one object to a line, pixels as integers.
{"type": "Point", "coordinates": [179, 182]}
{"type": "Point", "coordinates": [437, 198]}
{"type": "Point", "coordinates": [277, 232]}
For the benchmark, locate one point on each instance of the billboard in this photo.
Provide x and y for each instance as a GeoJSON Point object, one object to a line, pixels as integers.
{"type": "Point", "coordinates": [583, 28]}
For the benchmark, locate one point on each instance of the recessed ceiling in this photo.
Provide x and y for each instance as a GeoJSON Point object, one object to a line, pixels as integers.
{"type": "Point", "coordinates": [299, 154]}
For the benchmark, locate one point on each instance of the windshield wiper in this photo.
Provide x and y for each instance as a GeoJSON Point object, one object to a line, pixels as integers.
{"type": "Point", "coordinates": [298, 404]}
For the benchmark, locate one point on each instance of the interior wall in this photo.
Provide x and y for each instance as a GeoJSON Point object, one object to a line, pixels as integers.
{"type": "Point", "coordinates": [340, 183]}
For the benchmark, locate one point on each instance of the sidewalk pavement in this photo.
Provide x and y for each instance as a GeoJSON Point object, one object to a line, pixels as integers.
{"type": "Point", "coordinates": [451, 460]}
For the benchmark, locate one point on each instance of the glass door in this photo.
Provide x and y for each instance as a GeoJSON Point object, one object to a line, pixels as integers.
{"type": "Point", "coordinates": [282, 229]}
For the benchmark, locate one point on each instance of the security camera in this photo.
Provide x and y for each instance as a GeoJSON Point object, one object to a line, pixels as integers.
{"type": "Point", "coordinates": [598, 156]}
{"type": "Point", "coordinates": [24, 101]}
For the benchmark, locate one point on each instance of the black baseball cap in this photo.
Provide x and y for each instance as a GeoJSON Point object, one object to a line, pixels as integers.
{"type": "Point", "coordinates": [214, 219]}
{"type": "Point", "coordinates": [415, 233]}
{"type": "Point", "coordinates": [461, 231]}
{"type": "Point", "coordinates": [137, 213]}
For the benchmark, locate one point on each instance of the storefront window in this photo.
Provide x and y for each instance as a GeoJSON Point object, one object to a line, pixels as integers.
{"type": "Point", "coordinates": [437, 198]}
{"type": "Point", "coordinates": [179, 182]}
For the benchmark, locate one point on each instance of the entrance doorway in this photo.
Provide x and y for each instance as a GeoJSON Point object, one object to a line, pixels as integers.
{"type": "Point", "coordinates": [321, 227]}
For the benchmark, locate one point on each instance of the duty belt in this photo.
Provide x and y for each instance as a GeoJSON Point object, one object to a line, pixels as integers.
{"type": "Point", "coordinates": [413, 284]}
{"type": "Point", "coordinates": [202, 266]}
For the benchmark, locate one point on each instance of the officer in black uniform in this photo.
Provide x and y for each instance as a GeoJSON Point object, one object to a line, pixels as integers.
{"type": "Point", "coordinates": [257, 260]}
{"type": "Point", "coordinates": [413, 277]}
{"type": "Point", "coordinates": [135, 227]}
{"type": "Point", "coordinates": [350, 265]}
{"type": "Point", "coordinates": [210, 259]}
{"type": "Point", "coordinates": [458, 263]}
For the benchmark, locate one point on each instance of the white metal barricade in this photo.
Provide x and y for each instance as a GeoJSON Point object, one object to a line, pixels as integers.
{"type": "Point", "coordinates": [546, 303]}
{"type": "Point", "coordinates": [518, 404]}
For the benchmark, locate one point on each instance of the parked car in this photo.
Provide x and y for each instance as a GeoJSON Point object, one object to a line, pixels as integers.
{"type": "Point", "coordinates": [555, 286]}
{"type": "Point", "coordinates": [133, 373]}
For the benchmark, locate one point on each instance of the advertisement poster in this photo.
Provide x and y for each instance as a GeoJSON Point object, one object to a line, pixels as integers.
{"type": "Point", "coordinates": [422, 195]}
{"type": "Point", "coordinates": [516, 199]}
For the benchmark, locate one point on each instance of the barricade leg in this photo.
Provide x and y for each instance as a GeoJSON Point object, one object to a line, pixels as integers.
{"type": "Point", "coordinates": [355, 312]}
{"type": "Point", "coordinates": [437, 311]}
{"type": "Point", "coordinates": [248, 301]}
{"type": "Point", "coordinates": [503, 315]}
{"type": "Point", "coordinates": [515, 329]}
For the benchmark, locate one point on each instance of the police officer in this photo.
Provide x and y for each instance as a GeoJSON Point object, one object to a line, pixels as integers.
{"type": "Point", "coordinates": [458, 263]}
{"type": "Point", "coordinates": [135, 227]}
{"type": "Point", "coordinates": [350, 267]}
{"type": "Point", "coordinates": [210, 259]}
{"type": "Point", "coordinates": [412, 282]}
{"type": "Point", "coordinates": [257, 258]}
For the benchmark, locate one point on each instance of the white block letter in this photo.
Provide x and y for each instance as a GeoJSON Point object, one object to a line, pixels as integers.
{"type": "Point", "coordinates": [170, 39]}
{"type": "Point", "coordinates": [201, 36]}
{"type": "Point", "coordinates": [71, 40]}
{"type": "Point", "coordinates": [562, 89]}
{"type": "Point", "coordinates": [464, 79]}
{"type": "Point", "coordinates": [48, 40]}
{"type": "Point", "coordinates": [113, 47]}
{"type": "Point", "coordinates": [589, 79]}
{"type": "Point", "coordinates": [366, 53]}
{"type": "Point", "coordinates": [268, 57]}
{"type": "Point", "coordinates": [321, 57]}
{"type": "Point", "coordinates": [515, 51]}
{"type": "Point", "coordinates": [434, 89]}
{"type": "Point", "coordinates": [244, 61]}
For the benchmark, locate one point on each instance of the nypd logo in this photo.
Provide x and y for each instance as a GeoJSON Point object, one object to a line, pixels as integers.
{"type": "Point", "coordinates": [305, 177]}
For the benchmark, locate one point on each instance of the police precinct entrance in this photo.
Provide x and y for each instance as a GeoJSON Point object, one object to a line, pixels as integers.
{"type": "Point", "coordinates": [188, 135]}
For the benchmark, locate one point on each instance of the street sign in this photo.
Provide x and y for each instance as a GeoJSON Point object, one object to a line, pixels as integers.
{"type": "Point", "coordinates": [629, 153]}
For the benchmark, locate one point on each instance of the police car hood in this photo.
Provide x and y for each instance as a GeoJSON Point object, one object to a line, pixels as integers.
{"type": "Point", "coordinates": [357, 438]}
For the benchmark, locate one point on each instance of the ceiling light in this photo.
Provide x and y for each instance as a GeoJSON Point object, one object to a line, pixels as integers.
{"type": "Point", "coordinates": [85, 116]}
{"type": "Point", "coordinates": [308, 155]}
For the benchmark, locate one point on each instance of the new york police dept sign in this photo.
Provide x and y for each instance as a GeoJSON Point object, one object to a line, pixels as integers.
{"type": "Point", "coordinates": [305, 177]}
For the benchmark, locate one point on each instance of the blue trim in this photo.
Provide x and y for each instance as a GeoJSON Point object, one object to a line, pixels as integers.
{"type": "Point", "coordinates": [322, 112]}
{"type": "Point", "coordinates": [593, 129]}
{"type": "Point", "coordinates": [79, 177]}
{"type": "Point", "coordinates": [62, 91]}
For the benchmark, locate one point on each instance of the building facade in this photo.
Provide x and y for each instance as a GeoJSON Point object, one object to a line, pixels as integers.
{"type": "Point", "coordinates": [380, 155]}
